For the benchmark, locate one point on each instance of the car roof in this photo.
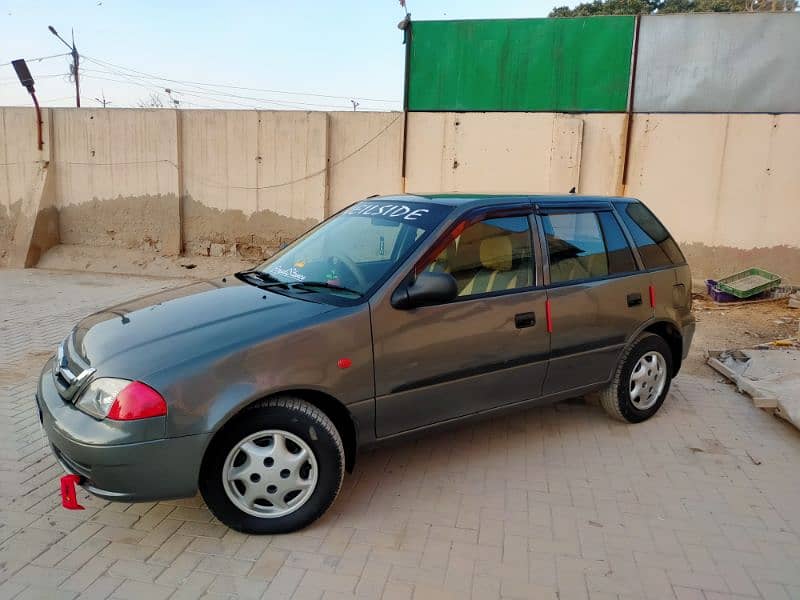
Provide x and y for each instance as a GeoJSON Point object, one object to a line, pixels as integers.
{"type": "Point", "coordinates": [478, 200]}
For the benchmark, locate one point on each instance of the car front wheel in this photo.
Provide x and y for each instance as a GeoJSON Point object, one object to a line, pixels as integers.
{"type": "Point", "coordinates": [275, 468]}
{"type": "Point", "coordinates": [641, 381]}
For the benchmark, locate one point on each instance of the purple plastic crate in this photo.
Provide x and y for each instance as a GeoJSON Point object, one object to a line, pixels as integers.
{"type": "Point", "coordinates": [717, 295]}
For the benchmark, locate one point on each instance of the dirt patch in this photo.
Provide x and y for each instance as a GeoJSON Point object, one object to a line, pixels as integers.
{"type": "Point", "coordinates": [721, 327]}
{"type": "Point", "coordinates": [211, 232]}
{"type": "Point", "coordinates": [9, 215]}
{"type": "Point", "coordinates": [137, 222]}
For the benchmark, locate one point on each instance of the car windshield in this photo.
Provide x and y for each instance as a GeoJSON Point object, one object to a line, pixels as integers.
{"type": "Point", "coordinates": [349, 254]}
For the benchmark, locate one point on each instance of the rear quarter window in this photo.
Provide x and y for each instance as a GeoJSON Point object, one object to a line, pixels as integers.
{"type": "Point", "coordinates": [656, 246]}
{"type": "Point", "coordinates": [620, 257]}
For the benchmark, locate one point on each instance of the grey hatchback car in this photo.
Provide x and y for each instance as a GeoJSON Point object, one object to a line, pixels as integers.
{"type": "Point", "coordinates": [398, 314]}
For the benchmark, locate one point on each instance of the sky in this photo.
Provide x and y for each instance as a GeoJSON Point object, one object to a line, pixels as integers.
{"type": "Point", "coordinates": [324, 53]}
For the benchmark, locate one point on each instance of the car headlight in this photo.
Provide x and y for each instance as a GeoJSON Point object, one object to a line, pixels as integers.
{"type": "Point", "coordinates": [121, 400]}
{"type": "Point", "coordinates": [100, 395]}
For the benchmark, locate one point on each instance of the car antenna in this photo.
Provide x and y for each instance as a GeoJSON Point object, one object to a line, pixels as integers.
{"type": "Point", "coordinates": [572, 191]}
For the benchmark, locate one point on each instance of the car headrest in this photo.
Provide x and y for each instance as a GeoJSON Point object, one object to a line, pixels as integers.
{"type": "Point", "coordinates": [496, 253]}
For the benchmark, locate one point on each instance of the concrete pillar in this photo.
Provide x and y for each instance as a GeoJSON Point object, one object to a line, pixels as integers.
{"type": "Point", "coordinates": [36, 229]}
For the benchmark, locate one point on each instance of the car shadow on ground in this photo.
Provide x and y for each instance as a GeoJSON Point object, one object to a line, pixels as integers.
{"type": "Point", "coordinates": [444, 474]}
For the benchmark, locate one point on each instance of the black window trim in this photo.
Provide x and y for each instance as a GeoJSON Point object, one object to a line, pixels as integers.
{"type": "Point", "coordinates": [553, 207]}
{"type": "Point", "coordinates": [628, 236]}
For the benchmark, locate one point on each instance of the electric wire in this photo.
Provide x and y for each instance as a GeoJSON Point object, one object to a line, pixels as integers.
{"type": "Point", "coordinates": [40, 58]}
{"type": "Point", "coordinates": [153, 87]}
{"type": "Point", "coordinates": [228, 86]}
{"type": "Point", "coordinates": [57, 99]}
{"type": "Point", "coordinates": [203, 92]}
{"type": "Point", "coordinates": [208, 93]}
{"type": "Point", "coordinates": [48, 76]}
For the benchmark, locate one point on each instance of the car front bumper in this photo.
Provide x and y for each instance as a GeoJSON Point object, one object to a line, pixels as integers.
{"type": "Point", "coordinates": [111, 463]}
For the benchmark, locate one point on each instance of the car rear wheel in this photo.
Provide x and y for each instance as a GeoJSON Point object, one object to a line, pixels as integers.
{"type": "Point", "coordinates": [275, 468]}
{"type": "Point", "coordinates": [641, 381]}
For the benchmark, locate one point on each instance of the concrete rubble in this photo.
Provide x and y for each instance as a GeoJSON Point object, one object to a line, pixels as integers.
{"type": "Point", "coordinates": [771, 376]}
{"type": "Point", "coordinates": [794, 300]}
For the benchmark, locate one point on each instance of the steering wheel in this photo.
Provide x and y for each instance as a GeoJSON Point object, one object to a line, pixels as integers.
{"type": "Point", "coordinates": [355, 271]}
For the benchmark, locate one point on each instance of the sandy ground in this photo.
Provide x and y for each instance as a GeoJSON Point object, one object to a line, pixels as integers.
{"type": "Point", "coordinates": [98, 259]}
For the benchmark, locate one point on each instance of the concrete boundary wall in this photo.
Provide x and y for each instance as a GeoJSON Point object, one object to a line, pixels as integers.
{"type": "Point", "coordinates": [727, 186]}
{"type": "Point", "coordinates": [244, 182]}
{"type": "Point", "coordinates": [515, 152]}
{"type": "Point", "coordinates": [366, 156]}
{"type": "Point", "coordinates": [116, 178]}
{"type": "Point", "coordinates": [251, 179]}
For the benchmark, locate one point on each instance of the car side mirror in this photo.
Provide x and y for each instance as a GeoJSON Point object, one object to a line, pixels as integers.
{"type": "Point", "coordinates": [428, 288]}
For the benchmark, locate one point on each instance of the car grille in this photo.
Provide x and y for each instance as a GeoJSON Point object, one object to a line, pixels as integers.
{"type": "Point", "coordinates": [69, 375]}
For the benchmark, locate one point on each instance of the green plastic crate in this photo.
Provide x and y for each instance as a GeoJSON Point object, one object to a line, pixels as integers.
{"type": "Point", "coordinates": [749, 282]}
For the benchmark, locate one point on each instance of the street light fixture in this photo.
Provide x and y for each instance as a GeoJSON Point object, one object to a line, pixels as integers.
{"type": "Point", "coordinates": [26, 79]}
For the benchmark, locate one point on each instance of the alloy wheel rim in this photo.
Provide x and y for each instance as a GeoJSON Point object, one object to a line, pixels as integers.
{"type": "Point", "coordinates": [270, 473]}
{"type": "Point", "coordinates": [647, 381]}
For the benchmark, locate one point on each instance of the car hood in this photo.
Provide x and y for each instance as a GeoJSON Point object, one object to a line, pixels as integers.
{"type": "Point", "coordinates": [152, 332]}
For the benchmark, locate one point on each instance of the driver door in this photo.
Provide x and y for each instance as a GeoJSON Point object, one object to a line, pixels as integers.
{"type": "Point", "coordinates": [487, 348]}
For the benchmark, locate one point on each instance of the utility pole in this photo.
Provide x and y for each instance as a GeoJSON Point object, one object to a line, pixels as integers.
{"type": "Point", "coordinates": [75, 62]}
{"type": "Point", "coordinates": [355, 105]}
{"type": "Point", "coordinates": [102, 99]}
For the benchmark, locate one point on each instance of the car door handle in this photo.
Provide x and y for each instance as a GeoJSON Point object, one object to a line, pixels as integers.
{"type": "Point", "coordinates": [523, 320]}
{"type": "Point", "coordinates": [634, 299]}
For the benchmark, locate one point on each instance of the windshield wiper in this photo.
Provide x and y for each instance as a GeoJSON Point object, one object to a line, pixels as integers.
{"type": "Point", "coordinates": [265, 280]}
{"type": "Point", "coordinates": [324, 284]}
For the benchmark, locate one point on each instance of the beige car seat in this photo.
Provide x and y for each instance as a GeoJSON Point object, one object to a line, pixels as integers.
{"type": "Point", "coordinates": [498, 270]}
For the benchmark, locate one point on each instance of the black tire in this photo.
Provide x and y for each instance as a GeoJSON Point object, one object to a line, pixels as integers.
{"type": "Point", "coordinates": [616, 398]}
{"type": "Point", "coordinates": [296, 417]}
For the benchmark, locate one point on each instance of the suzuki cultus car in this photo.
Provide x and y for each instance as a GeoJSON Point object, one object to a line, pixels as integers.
{"type": "Point", "coordinates": [398, 314]}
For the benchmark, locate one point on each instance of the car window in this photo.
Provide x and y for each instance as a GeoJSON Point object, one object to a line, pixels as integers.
{"type": "Point", "coordinates": [656, 246]}
{"type": "Point", "coordinates": [492, 255]}
{"type": "Point", "coordinates": [620, 255]}
{"type": "Point", "coordinates": [371, 244]}
{"type": "Point", "coordinates": [575, 246]}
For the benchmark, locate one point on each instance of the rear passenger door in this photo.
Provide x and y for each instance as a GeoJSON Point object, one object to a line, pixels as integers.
{"type": "Point", "coordinates": [598, 297]}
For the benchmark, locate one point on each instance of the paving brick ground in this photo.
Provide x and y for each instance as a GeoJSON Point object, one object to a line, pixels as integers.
{"type": "Point", "coordinates": [703, 501]}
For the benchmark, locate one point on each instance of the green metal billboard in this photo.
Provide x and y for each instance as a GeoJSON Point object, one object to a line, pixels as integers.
{"type": "Point", "coordinates": [558, 65]}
